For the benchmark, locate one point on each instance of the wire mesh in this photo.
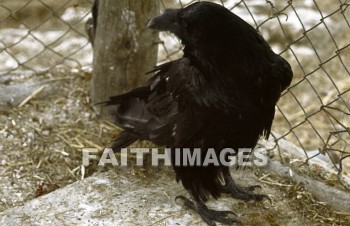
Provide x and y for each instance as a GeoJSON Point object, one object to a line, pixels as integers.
{"type": "Point", "coordinates": [313, 35]}
{"type": "Point", "coordinates": [37, 36]}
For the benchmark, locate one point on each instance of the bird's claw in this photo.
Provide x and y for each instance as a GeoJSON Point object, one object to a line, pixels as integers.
{"type": "Point", "coordinates": [208, 215]}
{"type": "Point", "coordinates": [244, 193]}
{"type": "Point", "coordinates": [251, 188]}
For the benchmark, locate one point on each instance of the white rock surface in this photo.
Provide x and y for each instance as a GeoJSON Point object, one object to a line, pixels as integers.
{"type": "Point", "coordinates": [121, 198]}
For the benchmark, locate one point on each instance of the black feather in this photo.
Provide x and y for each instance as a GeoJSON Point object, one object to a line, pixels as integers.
{"type": "Point", "coordinates": [124, 140]}
{"type": "Point", "coordinates": [221, 93]}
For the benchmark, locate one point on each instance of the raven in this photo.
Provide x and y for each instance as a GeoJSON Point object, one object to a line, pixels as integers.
{"type": "Point", "coordinates": [221, 93]}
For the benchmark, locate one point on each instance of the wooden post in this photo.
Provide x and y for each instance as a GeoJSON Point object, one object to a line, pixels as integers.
{"type": "Point", "coordinates": [124, 49]}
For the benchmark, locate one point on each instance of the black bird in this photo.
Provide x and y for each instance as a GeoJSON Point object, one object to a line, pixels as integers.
{"type": "Point", "coordinates": [221, 93]}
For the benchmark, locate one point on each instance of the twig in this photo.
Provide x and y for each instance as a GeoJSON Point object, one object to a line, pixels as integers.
{"type": "Point", "coordinates": [342, 213]}
{"type": "Point", "coordinates": [31, 96]}
{"type": "Point", "coordinates": [20, 163]}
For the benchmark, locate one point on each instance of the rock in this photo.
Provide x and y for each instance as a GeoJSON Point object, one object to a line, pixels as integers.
{"type": "Point", "coordinates": [121, 198]}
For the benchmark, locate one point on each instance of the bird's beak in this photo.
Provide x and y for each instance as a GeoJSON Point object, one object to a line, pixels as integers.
{"type": "Point", "coordinates": [167, 21]}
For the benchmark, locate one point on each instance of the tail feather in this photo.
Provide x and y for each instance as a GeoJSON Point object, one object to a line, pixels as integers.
{"type": "Point", "coordinates": [141, 92]}
{"type": "Point", "coordinates": [124, 140]}
{"type": "Point", "coordinates": [145, 113]}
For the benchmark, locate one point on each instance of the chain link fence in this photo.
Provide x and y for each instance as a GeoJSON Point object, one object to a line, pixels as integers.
{"type": "Point", "coordinates": [37, 36]}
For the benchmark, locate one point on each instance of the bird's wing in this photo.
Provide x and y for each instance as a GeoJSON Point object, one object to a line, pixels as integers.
{"type": "Point", "coordinates": [280, 78]}
{"type": "Point", "coordinates": [166, 111]}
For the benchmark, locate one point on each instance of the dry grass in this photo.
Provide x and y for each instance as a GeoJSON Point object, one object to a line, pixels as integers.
{"type": "Point", "coordinates": [302, 200]}
{"type": "Point", "coordinates": [41, 140]}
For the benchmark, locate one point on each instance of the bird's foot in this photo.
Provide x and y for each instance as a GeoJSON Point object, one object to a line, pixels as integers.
{"type": "Point", "coordinates": [243, 193]}
{"type": "Point", "coordinates": [209, 216]}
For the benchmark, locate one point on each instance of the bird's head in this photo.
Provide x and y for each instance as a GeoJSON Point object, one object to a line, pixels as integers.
{"type": "Point", "coordinates": [196, 23]}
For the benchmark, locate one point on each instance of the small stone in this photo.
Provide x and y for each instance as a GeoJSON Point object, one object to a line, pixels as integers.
{"type": "Point", "coordinates": [45, 133]}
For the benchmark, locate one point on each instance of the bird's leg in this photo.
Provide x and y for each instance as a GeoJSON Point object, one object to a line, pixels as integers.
{"type": "Point", "coordinates": [244, 193]}
{"type": "Point", "coordinates": [209, 216]}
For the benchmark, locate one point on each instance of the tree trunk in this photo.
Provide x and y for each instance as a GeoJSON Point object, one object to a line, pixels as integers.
{"type": "Point", "coordinates": [124, 50]}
